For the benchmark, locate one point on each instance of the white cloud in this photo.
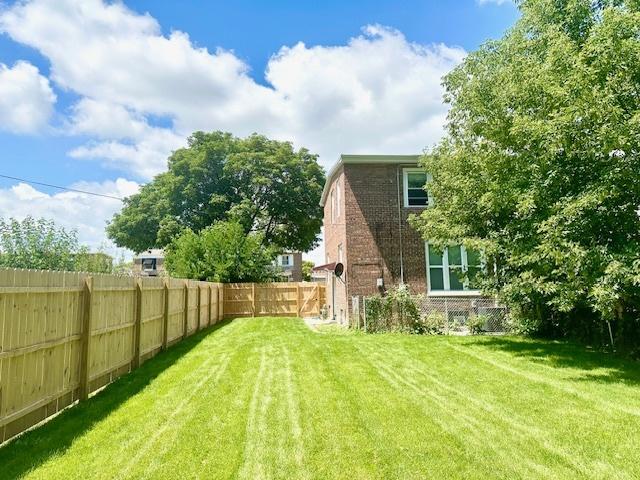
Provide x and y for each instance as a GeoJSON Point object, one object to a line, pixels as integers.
{"type": "Point", "coordinates": [106, 120]}
{"type": "Point", "coordinates": [26, 98]}
{"type": "Point", "coordinates": [124, 138]}
{"type": "Point", "coordinates": [378, 93]}
{"type": "Point", "coordinates": [87, 214]}
{"type": "Point", "coordinates": [119, 58]}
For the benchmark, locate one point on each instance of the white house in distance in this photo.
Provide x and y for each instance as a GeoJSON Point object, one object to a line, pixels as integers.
{"type": "Point", "coordinates": [149, 263]}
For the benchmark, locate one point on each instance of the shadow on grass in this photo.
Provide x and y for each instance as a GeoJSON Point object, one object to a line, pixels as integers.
{"type": "Point", "coordinates": [34, 447]}
{"type": "Point", "coordinates": [561, 354]}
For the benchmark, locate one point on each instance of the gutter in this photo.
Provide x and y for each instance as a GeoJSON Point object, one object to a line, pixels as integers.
{"type": "Point", "coordinates": [345, 159]}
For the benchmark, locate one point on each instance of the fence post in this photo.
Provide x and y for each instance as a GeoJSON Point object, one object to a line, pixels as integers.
{"type": "Point", "coordinates": [364, 312]}
{"type": "Point", "coordinates": [165, 317]}
{"type": "Point", "coordinates": [217, 312]}
{"type": "Point", "coordinates": [210, 288]}
{"type": "Point", "coordinates": [253, 299]}
{"type": "Point", "coordinates": [298, 305]}
{"type": "Point", "coordinates": [86, 339]}
{"type": "Point", "coordinates": [199, 298]}
{"type": "Point", "coordinates": [185, 319]}
{"type": "Point", "coordinates": [137, 328]}
{"type": "Point", "coordinates": [446, 313]}
{"type": "Point", "coordinates": [220, 302]}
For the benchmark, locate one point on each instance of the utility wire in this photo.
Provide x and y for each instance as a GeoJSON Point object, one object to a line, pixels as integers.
{"type": "Point", "coordinates": [62, 188]}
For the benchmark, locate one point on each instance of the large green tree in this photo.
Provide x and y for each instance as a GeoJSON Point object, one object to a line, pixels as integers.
{"type": "Point", "coordinates": [264, 185]}
{"type": "Point", "coordinates": [541, 165]}
{"type": "Point", "coordinates": [222, 252]}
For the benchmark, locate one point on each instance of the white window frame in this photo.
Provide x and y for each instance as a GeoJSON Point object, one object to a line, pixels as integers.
{"type": "Point", "coordinates": [338, 199]}
{"type": "Point", "coordinates": [289, 260]}
{"type": "Point", "coordinates": [405, 187]}
{"type": "Point", "coordinates": [340, 254]}
{"type": "Point", "coordinates": [333, 206]}
{"type": "Point", "coordinates": [153, 267]}
{"type": "Point", "coordinates": [447, 292]}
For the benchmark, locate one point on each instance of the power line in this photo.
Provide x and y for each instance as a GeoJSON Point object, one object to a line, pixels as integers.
{"type": "Point", "coordinates": [62, 188]}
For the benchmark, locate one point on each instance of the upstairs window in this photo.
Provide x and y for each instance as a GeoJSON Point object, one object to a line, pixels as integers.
{"type": "Point", "coordinates": [414, 193]}
{"type": "Point", "coordinates": [286, 260]}
{"type": "Point", "coordinates": [148, 264]}
{"type": "Point", "coordinates": [333, 206]}
{"type": "Point", "coordinates": [335, 203]}
{"type": "Point", "coordinates": [453, 269]}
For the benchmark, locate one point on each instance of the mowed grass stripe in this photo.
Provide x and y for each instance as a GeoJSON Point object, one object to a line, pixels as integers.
{"type": "Point", "coordinates": [559, 424]}
{"type": "Point", "coordinates": [543, 374]}
{"type": "Point", "coordinates": [485, 422]}
{"type": "Point", "coordinates": [390, 424]}
{"type": "Point", "coordinates": [179, 417]}
{"type": "Point", "coordinates": [211, 436]}
{"type": "Point", "coordinates": [463, 422]}
{"type": "Point", "coordinates": [140, 415]}
{"type": "Point", "coordinates": [268, 398]}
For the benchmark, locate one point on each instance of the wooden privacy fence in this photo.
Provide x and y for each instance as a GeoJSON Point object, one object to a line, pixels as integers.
{"type": "Point", "coordinates": [273, 299]}
{"type": "Point", "coordinates": [64, 335]}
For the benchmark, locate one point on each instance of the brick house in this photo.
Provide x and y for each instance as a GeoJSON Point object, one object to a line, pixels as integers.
{"type": "Point", "coordinates": [367, 200]}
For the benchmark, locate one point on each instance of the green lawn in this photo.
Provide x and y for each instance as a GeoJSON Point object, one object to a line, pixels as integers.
{"type": "Point", "coordinates": [268, 398]}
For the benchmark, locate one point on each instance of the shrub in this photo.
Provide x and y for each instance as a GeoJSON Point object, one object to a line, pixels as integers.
{"type": "Point", "coordinates": [377, 313]}
{"type": "Point", "coordinates": [38, 243]}
{"type": "Point", "coordinates": [476, 324]}
{"type": "Point", "coordinates": [434, 323]}
{"type": "Point", "coordinates": [407, 311]}
{"type": "Point", "coordinates": [397, 311]}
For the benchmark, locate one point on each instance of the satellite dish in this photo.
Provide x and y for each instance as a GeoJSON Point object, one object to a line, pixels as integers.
{"type": "Point", "coordinates": [338, 270]}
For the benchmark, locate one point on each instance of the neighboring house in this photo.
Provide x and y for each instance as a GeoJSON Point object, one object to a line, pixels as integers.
{"type": "Point", "coordinates": [290, 264]}
{"type": "Point", "coordinates": [319, 275]}
{"type": "Point", "coordinates": [149, 263]}
{"type": "Point", "coordinates": [367, 200]}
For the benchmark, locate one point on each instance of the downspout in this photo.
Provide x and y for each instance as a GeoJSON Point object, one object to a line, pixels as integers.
{"type": "Point", "coordinates": [400, 226]}
{"type": "Point", "coordinates": [333, 296]}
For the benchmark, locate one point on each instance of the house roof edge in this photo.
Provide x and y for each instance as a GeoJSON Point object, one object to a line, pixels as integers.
{"type": "Point", "coordinates": [350, 159]}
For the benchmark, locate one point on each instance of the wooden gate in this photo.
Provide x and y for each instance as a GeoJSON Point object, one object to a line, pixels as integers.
{"type": "Point", "coordinates": [273, 299]}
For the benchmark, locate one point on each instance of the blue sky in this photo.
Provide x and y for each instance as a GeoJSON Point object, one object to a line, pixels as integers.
{"type": "Point", "coordinates": [96, 94]}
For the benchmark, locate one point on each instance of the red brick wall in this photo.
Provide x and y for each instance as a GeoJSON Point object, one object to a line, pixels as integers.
{"type": "Point", "coordinates": [371, 230]}
{"type": "Point", "coordinates": [296, 271]}
{"type": "Point", "coordinates": [370, 233]}
{"type": "Point", "coordinates": [335, 235]}
{"type": "Point", "coordinates": [375, 232]}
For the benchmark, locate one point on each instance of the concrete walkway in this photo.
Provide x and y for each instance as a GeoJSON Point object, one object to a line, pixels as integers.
{"type": "Point", "coordinates": [314, 322]}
